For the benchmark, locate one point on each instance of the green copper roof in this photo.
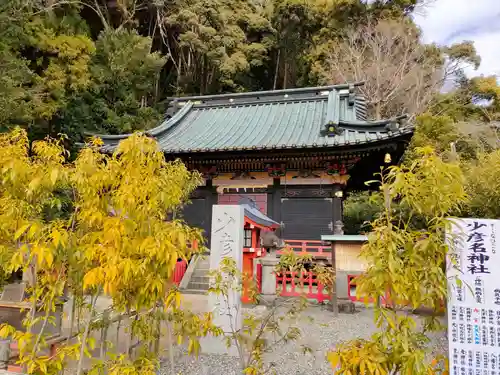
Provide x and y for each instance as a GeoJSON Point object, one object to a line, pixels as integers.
{"type": "Point", "coordinates": [299, 118]}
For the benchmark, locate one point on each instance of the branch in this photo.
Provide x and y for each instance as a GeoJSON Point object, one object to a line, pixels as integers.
{"type": "Point", "coordinates": [40, 334]}
{"type": "Point", "coordinates": [77, 2]}
{"type": "Point", "coordinates": [164, 38]}
{"type": "Point", "coordinates": [86, 334]}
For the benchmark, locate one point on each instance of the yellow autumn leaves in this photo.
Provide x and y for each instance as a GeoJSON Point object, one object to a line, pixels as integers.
{"type": "Point", "coordinates": [406, 255]}
{"type": "Point", "coordinates": [96, 225]}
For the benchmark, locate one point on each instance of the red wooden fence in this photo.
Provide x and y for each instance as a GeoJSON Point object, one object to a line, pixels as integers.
{"type": "Point", "coordinates": [306, 284]}
{"type": "Point", "coordinates": [317, 249]}
{"type": "Point", "coordinates": [295, 284]}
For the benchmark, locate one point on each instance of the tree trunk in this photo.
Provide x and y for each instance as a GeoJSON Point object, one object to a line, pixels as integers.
{"type": "Point", "coordinates": [170, 348]}
{"type": "Point", "coordinates": [285, 75]}
{"type": "Point", "coordinates": [104, 335]}
{"type": "Point", "coordinates": [276, 70]}
{"type": "Point", "coordinates": [72, 319]}
{"type": "Point", "coordinates": [377, 112]}
{"type": "Point", "coordinates": [79, 369]}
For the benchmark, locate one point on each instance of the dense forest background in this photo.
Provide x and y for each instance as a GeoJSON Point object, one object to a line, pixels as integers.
{"type": "Point", "coordinates": [69, 66]}
{"type": "Point", "coordinates": [109, 66]}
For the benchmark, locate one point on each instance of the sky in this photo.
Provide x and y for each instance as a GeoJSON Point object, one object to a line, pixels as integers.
{"type": "Point", "coordinates": [450, 21]}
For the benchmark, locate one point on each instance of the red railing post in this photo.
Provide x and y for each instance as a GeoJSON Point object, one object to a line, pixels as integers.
{"type": "Point", "coordinates": [310, 281]}
{"type": "Point", "coordinates": [279, 280]}
{"type": "Point", "coordinates": [308, 277]}
{"type": "Point", "coordinates": [314, 248]}
{"type": "Point", "coordinates": [259, 278]}
{"type": "Point", "coordinates": [319, 293]}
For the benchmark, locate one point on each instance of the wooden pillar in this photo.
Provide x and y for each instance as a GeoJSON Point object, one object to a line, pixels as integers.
{"type": "Point", "coordinates": [338, 195]}
{"type": "Point", "coordinates": [337, 229]}
{"type": "Point", "coordinates": [274, 201]}
{"type": "Point", "coordinates": [270, 205]}
{"type": "Point", "coordinates": [255, 238]}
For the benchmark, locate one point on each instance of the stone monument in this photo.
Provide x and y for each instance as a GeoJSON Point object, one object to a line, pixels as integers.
{"type": "Point", "coordinates": [226, 241]}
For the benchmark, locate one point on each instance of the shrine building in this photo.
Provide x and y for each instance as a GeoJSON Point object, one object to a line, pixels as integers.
{"type": "Point", "coordinates": [294, 152]}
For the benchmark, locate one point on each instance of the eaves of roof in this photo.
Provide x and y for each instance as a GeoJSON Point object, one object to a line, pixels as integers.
{"type": "Point", "coordinates": [322, 117]}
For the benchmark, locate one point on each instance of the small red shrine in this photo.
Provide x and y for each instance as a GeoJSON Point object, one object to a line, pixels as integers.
{"type": "Point", "coordinates": [255, 223]}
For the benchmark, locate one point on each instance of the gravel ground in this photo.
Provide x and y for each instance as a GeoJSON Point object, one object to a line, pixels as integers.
{"type": "Point", "coordinates": [320, 335]}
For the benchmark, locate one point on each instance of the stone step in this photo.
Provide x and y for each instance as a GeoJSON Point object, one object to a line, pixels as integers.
{"type": "Point", "coordinates": [200, 274]}
{"type": "Point", "coordinates": [202, 269]}
{"type": "Point", "coordinates": [200, 279]}
{"type": "Point", "coordinates": [198, 286]}
{"type": "Point", "coordinates": [205, 260]}
{"type": "Point", "coordinates": [194, 291]}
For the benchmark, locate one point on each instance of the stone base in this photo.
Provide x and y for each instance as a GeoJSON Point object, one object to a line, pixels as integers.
{"type": "Point", "coordinates": [4, 353]}
{"type": "Point", "coordinates": [268, 275]}
{"type": "Point", "coordinates": [217, 345]}
{"type": "Point", "coordinates": [268, 299]}
{"type": "Point", "coordinates": [347, 307]}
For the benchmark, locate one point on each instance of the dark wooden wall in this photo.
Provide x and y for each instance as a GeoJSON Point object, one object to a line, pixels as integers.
{"type": "Point", "coordinates": [320, 207]}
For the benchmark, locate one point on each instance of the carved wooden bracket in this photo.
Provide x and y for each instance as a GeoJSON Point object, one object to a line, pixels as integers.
{"type": "Point", "coordinates": [242, 175]}
{"type": "Point", "coordinates": [276, 170]}
{"type": "Point", "coordinates": [306, 173]}
{"type": "Point", "coordinates": [291, 193]}
{"type": "Point", "coordinates": [209, 172]}
{"type": "Point", "coordinates": [195, 194]}
{"type": "Point", "coordinates": [340, 168]}
{"type": "Point", "coordinates": [320, 193]}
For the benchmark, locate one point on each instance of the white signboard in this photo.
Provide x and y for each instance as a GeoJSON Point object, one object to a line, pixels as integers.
{"type": "Point", "coordinates": [474, 304]}
{"type": "Point", "coordinates": [227, 241]}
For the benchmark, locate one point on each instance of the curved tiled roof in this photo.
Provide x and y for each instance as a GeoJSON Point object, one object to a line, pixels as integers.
{"type": "Point", "coordinates": [298, 118]}
{"type": "Point", "coordinates": [253, 213]}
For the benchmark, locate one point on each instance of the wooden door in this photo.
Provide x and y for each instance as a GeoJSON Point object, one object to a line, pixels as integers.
{"type": "Point", "coordinates": [306, 218]}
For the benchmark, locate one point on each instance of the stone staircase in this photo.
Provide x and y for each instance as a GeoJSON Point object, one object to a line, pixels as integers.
{"type": "Point", "coordinates": [199, 281]}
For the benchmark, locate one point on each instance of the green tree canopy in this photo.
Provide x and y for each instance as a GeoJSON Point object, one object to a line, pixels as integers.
{"type": "Point", "coordinates": [72, 67]}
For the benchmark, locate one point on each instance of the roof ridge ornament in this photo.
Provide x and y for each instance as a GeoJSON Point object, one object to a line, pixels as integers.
{"type": "Point", "coordinates": [352, 95]}
{"type": "Point", "coordinates": [392, 126]}
{"type": "Point", "coordinates": [333, 129]}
